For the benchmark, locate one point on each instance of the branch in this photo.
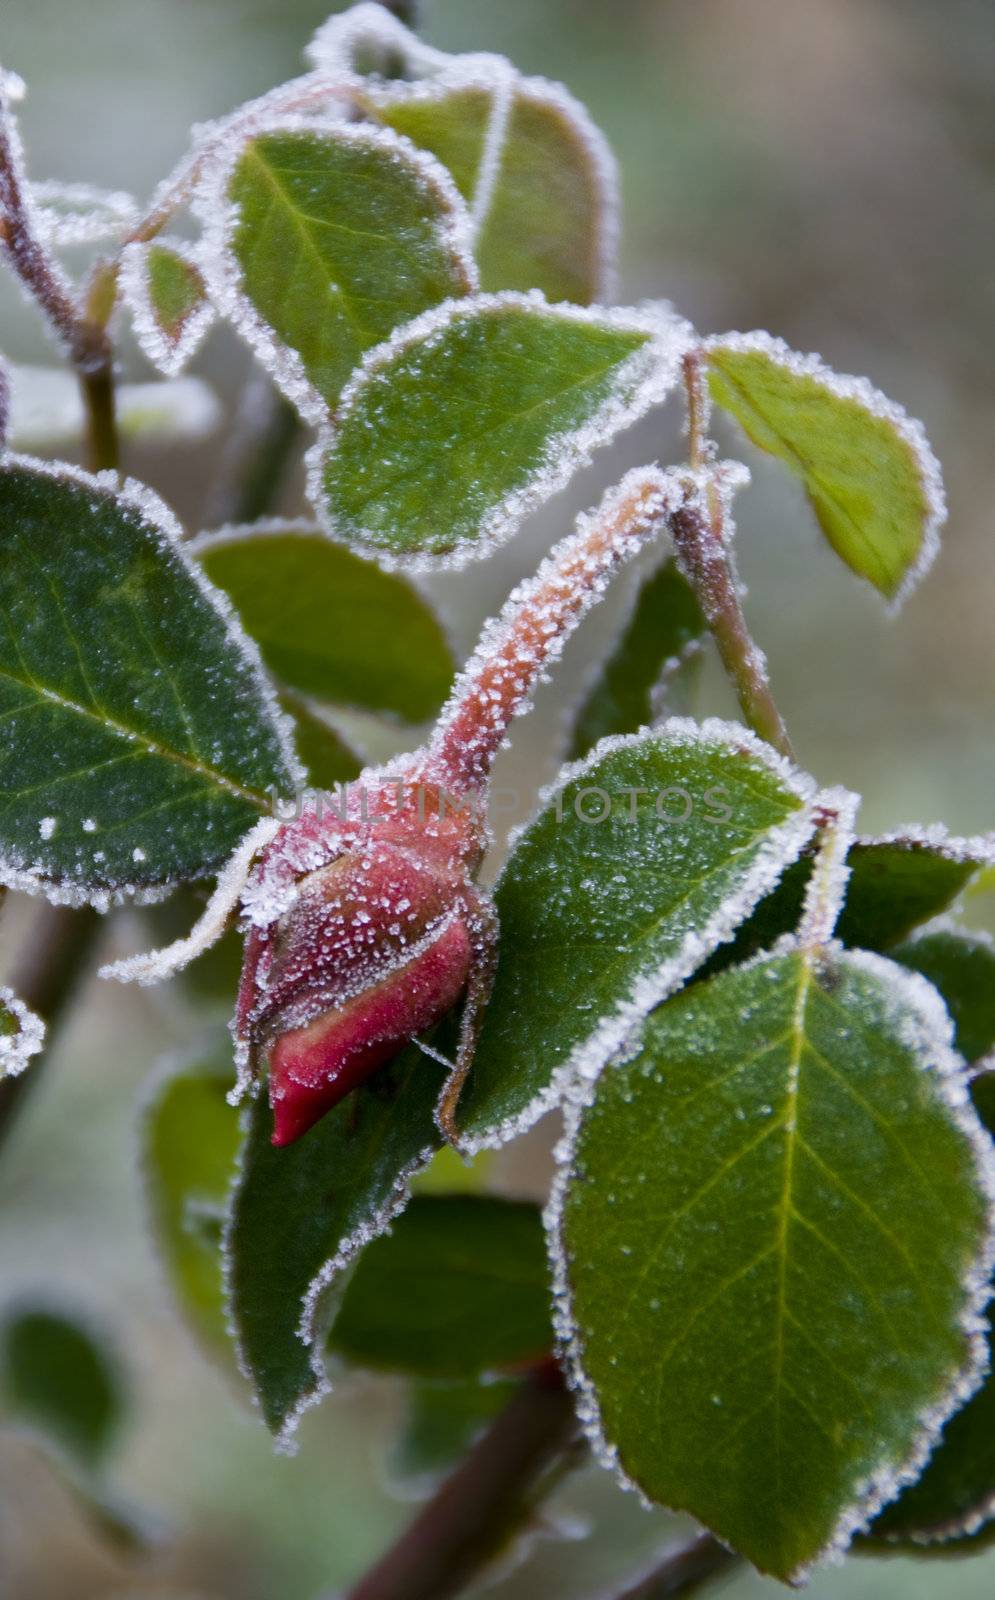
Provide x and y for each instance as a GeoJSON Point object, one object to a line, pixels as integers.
{"type": "Point", "coordinates": [699, 532]}
{"type": "Point", "coordinates": [85, 341]}
{"type": "Point", "coordinates": [685, 1571]}
{"type": "Point", "coordinates": [482, 1503]}
{"type": "Point", "coordinates": [45, 978]}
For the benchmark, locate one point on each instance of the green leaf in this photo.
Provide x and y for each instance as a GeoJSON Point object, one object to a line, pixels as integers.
{"type": "Point", "coordinates": [443, 1420]}
{"type": "Point", "coordinates": [164, 289]}
{"type": "Point", "coordinates": [774, 1229]}
{"type": "Point", "coordinates": [896, 883]}
{"type": "Point", "coordinates": [330, 624]}
{"type": "Point", "coordinates": [22, 1034]}
{"type": "Point", "coordinates": [321, 239]}
{"type": "Point", "coordinates": [326, 757]}
{"type": "Point", "coordinates": [601, 920]}
{"type": "Point", "coordinates": [459, 1286]}
{"type": "Point", "coordinates": [955, 1497]}
{"type": "Point", "coordinates": [139, 736]}
{"type": "Point", "coordinates": [536, 173]}
{"type": "Point", "coordinates": [870, 475]}
{"type": "Point", "coordinates": [475, 414]}
{"type": "Point", "coordinates": [657, 656]}
{"type": "Point", "coordinates": [57, 1378]}
{"type": "Point", "coordinates": [962, 966]}
{"type": "Point", "coordinates": [300, 1215]}
{"type": "Point", "coordinates": [190, 1142]}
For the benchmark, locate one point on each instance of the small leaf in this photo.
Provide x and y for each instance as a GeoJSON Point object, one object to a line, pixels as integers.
{"type": "Point", "coordinates": [56, 1377]}
{"type": "Point", "coordinates": [321, 238]}
{"type": "Point", "coordinates": [327, 759]}
{"type": "Point", "coordinates": [537, 174]}
{"type": "Point", "coordinates": [955, 1497]}
{"type": "Point", "coordinates": [962, 966]}
{"type": "Point", "coordinates": [190, 1142]}
{"type": "Point", "coordinates": [896, 883]}
{"type": "Point", "coordinates": [300, 1215]}
{"type": "Point", "coordinates": [164, 289]}
{"type": "Point", "coordinates": [600, 920]}
{"type": "Point", "coordinates": [140, 737]}
{"type": "Point", "coordinates": [867, 467]}
{"type": "Point", "coordinates": [459, 1286]}
{"type": "Point", "coordinates": [475, 414]}
{"type": "Point", "coordinates": [774, 1298]}
{"type": "Point", "coordinates": [22, 1034]}
{"type": "Point", "coordinates": [443, 1420]}
{"type": "Point", "coordinates": [330, 624]}
{"type": "Point", "coordinates": [655, 658]}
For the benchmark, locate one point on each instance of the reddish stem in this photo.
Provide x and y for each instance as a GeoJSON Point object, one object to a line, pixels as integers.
{"type": "Point", "coordinates": [481, 1505]}
{"type": "Point", "coordinates": [534, 625]}
{"type": "Point", "coordinates": [85, 341]}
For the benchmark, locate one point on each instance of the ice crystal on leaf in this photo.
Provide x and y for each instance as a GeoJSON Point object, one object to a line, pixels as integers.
{"type": "Point", "coordinates": [642, 860]}
{"type": "Point", "coordinates": [162, 737]}
{"type": "Point", "coordinates": [320, 237]}
{"type": "Point", "coordinates": [800, 1288]}
{"type": "Point", "coordinates": [163, 287]}
{"type": "Point", "coordinates": [418, 469]}
{"type": "Point", "coordinates": [22, 1034]}
{"type": "Point", "coordinates": [873, 481]}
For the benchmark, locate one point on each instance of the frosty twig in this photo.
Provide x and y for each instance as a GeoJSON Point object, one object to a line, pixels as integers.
{"type": "Point", "coordinates": [85, 341]}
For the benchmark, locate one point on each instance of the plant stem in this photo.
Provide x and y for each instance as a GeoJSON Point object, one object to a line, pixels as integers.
{"type": "Point", "coordinates": [45, 978]}
{"type": "Point", "coordinates": [482, 1503]}
{"type": "Point", "coordinates": [685, 1571]}
{"type": "Point", "coordinates": [85, 341]}
{"type": "Point", "coordinates": [699, 534]}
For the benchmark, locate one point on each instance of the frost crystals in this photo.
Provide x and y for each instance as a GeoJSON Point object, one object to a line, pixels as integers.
{"type": "Point", "coordinates": [772, 1307]}
{"type": "Point", "coordinates": [320, 237]}
{"type": "Point", "coordinates": [873, 481]}
{"type": "Point", "coordinates": [163, 287]}
{"type": "Point", "coordinates": [22, 1034]}
{"type": "Point", "coordinates": [473, 415]}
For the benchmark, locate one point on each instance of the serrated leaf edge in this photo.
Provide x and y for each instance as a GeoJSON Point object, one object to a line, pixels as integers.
{"type": "Point", "coordinates": [313, 1317]}
{"type": "Point", "coordinates": [168, 356]}
{"type": "Point", "coordinates": [160, 521]}
{"type": "Point", "coordinates": [98, 214]}
{"type": "Point", "coordinates": [845, 386]}
{"type": "Point", "coordinates": [644, 379]}
{"type": "Point", "coordinates": [976, 848]}
{"type": "Point", "coordinates": [612, 1035]}
{"type": "Point", "coordinates": [933, 1038]}
{"type": "Point", "coordinates": [219, 217]}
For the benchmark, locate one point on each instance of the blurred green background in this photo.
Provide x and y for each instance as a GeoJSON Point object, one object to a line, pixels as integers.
{"type": "Point", "coordinates": [824, 168]}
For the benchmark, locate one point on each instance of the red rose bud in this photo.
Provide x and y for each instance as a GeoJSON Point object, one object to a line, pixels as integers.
{"type": "Point", "coordinates": [373, 950]}
{"type": "Point", "coordinates": [365, 928]}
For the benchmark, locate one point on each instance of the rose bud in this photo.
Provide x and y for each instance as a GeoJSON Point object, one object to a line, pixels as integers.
{"type": "Point", "coordinates": [364, 926]}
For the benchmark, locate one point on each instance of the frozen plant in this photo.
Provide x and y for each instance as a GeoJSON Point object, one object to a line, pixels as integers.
{"type": "Point", "coordinates": [758, 1290]}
